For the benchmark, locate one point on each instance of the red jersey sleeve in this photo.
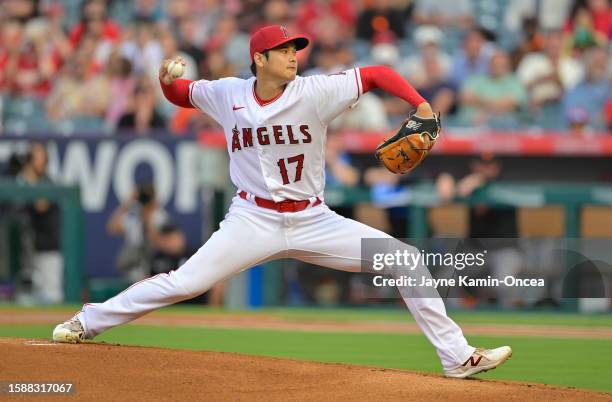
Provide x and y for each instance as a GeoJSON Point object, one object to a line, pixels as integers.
{"type": "Point", "coordinates": [178, 92]}
{"type": "Point", "coordinates": [389, 81]}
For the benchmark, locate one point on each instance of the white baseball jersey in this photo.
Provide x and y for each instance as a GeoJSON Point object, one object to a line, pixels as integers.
{"type": "Point", "coordinates": [277, 148]}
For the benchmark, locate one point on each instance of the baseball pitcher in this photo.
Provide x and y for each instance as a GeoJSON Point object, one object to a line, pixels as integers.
{"type": "Point", "coordinates": [275, 124]}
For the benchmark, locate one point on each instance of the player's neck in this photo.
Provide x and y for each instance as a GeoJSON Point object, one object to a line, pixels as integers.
{"type": "Point", "coordinates": [268, 88]}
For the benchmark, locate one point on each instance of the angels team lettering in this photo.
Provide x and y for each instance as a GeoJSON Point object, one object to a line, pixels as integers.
{"type": "Point", "coordinates": [272, 135]}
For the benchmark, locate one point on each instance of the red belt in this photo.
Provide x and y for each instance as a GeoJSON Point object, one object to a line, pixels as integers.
{"type": "Point", "coordinates": [282, 206]}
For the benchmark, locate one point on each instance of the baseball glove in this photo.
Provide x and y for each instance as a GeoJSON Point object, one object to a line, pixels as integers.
{"type": "Point", "coordinates": [410, 145]}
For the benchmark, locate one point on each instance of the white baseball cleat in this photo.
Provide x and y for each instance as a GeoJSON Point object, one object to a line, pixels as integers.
{"type": "Point", "coordinates": [481, 361]}
{"type": "Point", "coordinates": [70, 331]}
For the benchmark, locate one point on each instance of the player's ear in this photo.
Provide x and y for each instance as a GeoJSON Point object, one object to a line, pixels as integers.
{"type": "Point", "coordinates": [259, 59]}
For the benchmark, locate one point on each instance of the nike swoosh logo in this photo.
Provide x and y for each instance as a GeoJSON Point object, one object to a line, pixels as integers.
{"type": "Point", "coordinates": [238, 107]}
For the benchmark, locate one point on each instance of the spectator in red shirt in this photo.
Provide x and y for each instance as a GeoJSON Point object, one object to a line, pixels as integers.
{"type": "Point", "coordinates": [26, 64]}
{"type": "Point", "coordinates": [95, 21]}
{"type": "Point", "coordinates": [313, 11]}
{"type": "Point", "coordinates": [10, 38]}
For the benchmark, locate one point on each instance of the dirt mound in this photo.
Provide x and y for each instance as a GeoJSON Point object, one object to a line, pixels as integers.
{"type": "Point", "coordinates": [110, 372]}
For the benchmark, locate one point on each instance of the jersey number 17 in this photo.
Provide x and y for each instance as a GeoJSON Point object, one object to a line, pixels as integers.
{"type": "Point", "coordinates": [299, 159]}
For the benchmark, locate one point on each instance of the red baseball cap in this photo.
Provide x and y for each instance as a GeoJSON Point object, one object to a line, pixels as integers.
{"type": "Point", "coordinates": [271, 36]}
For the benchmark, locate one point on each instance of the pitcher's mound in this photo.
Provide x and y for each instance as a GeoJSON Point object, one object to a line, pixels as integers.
{"type": "Point", "coordinates": [108, 372]}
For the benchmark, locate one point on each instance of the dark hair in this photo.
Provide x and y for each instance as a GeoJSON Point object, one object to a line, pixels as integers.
{"type": "Point", "coordinates": [265, 53]}
{"type": "Point", "coordinates": [576, 7]}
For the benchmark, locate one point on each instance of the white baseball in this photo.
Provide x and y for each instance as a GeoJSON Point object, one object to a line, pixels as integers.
{"type": "Point", "coordinates": [175, 69]}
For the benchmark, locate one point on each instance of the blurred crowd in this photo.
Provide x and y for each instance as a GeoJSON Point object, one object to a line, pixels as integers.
{"type": "Point", "coordinates": [90, 66]}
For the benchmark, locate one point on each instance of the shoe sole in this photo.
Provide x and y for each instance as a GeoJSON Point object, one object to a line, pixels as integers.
{"type": "Point", "coordinates": [477, 370]}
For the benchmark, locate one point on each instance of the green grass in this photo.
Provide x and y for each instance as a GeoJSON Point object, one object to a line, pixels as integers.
{"type": "Point", "coordinates": [376, 314]}
{"type": "Point", "coordinates": [566, 362]}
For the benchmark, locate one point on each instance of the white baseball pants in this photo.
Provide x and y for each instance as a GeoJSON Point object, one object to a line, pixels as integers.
{"type": "Point", "coordinates": [250, 235]}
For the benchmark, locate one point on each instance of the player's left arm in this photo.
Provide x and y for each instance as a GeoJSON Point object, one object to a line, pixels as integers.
{"type": "Point", "coordinates": [390, 81]}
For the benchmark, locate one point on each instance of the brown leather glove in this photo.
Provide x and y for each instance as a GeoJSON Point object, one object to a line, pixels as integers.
{"type": "Point", "coordinates": [410, 145]}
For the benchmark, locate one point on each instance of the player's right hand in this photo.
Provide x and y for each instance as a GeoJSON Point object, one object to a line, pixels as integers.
{"type": "Point", "coordinates": [164, 76]}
